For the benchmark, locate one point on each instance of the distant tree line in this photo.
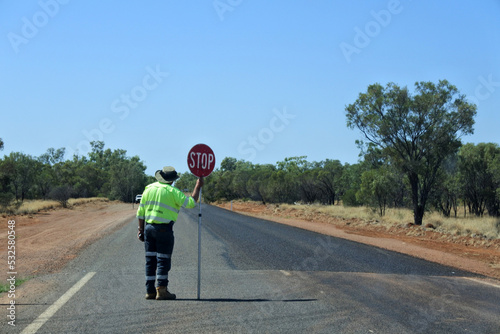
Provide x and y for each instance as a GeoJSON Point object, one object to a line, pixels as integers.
{"type": "Point", "coordinates": [468, 181]}
{"type": "Point", "coordinates": [103, 173]}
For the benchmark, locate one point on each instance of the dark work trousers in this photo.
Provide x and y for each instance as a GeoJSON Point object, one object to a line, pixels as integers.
{"type": "Point", "coordinates": [159, 243]}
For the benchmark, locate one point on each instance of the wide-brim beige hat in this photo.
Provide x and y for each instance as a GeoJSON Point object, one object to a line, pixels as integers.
{"type": "Point", "coordinates": [166, 175]}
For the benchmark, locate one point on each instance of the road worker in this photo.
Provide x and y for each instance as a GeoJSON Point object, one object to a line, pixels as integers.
{"type": "Point", "coordinates": [157, 213]}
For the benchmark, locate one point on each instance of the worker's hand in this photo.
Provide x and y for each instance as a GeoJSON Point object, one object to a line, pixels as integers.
{"type": "Point", "coordinates": [200, 182]}
{"type": "Point", "coordinates": [140, 235]}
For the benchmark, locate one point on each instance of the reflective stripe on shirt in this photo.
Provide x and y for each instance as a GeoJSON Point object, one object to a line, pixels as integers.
{"type": "Point", "coordinates": [165, 206]}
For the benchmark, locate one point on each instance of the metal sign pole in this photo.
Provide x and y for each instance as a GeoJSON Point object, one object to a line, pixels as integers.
{"type": "Point", "coordinates": [201, 162]}
{"type": "Point", "coordinates": [199, 249]}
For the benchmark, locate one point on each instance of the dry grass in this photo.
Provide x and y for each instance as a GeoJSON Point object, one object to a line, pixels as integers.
{"type": "Point", "coordinates": [34, 206]}
{"type": "Point", "coordinates": [488, 227]}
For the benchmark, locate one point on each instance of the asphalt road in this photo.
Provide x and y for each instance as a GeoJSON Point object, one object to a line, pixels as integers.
{"type": "Point", "coordinates": [259, 277]}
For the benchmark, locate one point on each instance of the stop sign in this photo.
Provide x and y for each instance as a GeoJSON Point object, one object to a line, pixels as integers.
{"type": "Point", "coordinates": [201, 160]}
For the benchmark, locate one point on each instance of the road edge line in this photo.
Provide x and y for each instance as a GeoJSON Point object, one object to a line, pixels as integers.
{"type": "Point", "coordinates": [482, 282]}
{"type": "Point", "coordinates": [45, 316]}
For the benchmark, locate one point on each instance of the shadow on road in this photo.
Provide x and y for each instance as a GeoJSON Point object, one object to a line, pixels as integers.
{"type": "Point", "coordinates": [236, 300]}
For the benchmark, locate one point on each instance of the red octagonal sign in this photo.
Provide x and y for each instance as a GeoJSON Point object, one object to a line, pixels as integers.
{"type": "Point", "coordinates": [201, 160]}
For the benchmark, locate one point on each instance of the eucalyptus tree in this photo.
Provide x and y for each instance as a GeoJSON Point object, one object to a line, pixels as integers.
{"type": "Point", "coordinates": [417, 132]}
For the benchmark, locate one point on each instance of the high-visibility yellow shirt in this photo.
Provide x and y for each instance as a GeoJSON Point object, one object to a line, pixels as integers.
{"type": "Point", "coordinates": [160, 203]}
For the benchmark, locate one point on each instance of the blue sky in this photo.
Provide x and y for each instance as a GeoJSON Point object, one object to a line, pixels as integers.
{"type": "Point", "coordinates": [254, 80]}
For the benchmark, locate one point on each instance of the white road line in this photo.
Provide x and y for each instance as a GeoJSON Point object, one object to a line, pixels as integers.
{"type": "Point", "coordinates": [42, 318]}
{"type": "Point", "coordinates": [483, 282]}
{"type": "Point", "coordinates": [284, 272]}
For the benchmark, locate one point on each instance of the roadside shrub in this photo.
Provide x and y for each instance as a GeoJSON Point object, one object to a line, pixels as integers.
{"type": "Point", "coordinates": [61, 194]}
{"type": "Point", "coordinates": [349, 198]}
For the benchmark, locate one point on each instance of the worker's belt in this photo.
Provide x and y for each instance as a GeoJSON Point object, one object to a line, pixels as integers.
{"type": "Point", "coordinates": [167, 225]}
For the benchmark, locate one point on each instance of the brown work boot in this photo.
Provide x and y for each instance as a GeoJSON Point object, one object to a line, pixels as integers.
{"type": "Point", "coordinates": [150, 295]}
{"type": "Point", "coordinates": [162, 293]}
